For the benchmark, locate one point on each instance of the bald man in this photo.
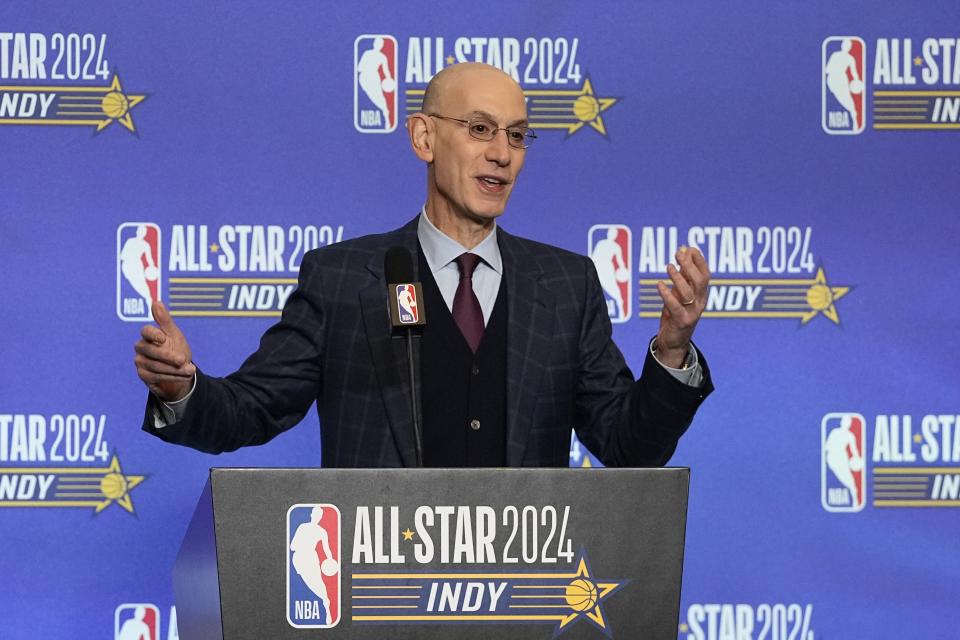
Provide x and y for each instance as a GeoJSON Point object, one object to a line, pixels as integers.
{"type": "Point", "coordinates": [517, 351]}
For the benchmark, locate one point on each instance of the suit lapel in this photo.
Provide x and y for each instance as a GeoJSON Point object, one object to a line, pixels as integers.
{"type": "Point", "coordinates": [530, 319]}
{"type": "Point", "coordinates": [389, 354]}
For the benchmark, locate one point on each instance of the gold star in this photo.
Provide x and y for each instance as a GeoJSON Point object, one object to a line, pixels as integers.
{"type": "Point", "coordinates": [917, 61]}
{"type": "Point", "coordinates": [116, 487]}
{"type": "Point", "coordinates": [450, 59]}
{"type": "Point", "coordinates": [407, 535]}
{"type": "Point", "coordinates": [603, 589]}
{"type": "Point", "coordinates": [821, 298]}
{"type": "Point", "coordinates": [586, 462]}
{"type": "Point", "coordinates": [120, 106]}
{"type": "Point", "coordinates": [917, 438]}
{"type": "Point", "coordinates": [684, 627]}
{"type": "Point", "coordinates": [214, 247]}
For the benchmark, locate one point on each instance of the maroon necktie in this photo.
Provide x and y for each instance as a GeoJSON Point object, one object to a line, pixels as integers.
{"type": "Point", "coordinates": [466, 308]}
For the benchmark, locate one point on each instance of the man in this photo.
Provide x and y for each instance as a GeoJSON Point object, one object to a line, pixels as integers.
{"type": "Point", "coordinates": [516, 353]}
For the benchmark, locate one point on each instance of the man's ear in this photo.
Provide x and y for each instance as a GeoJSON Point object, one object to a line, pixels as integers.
{"type": "Point", "coordinates": [421, 130]}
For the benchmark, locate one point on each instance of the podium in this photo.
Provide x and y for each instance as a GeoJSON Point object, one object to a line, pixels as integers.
{"type": "Point", "coordinates": [433, 553]}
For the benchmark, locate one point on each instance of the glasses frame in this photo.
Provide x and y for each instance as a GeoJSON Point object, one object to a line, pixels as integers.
{"type": "Point", "coordinates": [529, 135]}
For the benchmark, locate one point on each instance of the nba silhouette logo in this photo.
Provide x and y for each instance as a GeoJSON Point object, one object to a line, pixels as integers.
{"type": "Point", "coordinates": [136, 621]}
{"type": "Point", "coordinates": [407, 304]}
{"type": "Point", "coordinates": [313, 566]}
{"type": "Point", "coordinates": [138, 270]}
{"type": "Point", "coordinates": [375, 84]}
{"type": "Point", "coordinates": [842, 463]}
{"type": "Point", "coordinates": [843, 86]}
{"type": "Point", "coordinates": [609, 248]}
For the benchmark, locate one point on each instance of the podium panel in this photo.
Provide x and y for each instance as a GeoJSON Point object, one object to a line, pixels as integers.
{"type": "Point", "coordinates": [434, 553]}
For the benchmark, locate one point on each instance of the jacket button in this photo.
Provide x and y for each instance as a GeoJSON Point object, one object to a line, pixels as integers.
{"type": "Point", "coordinates": [475, 370]}
{"type": "Point", "coordinates": [475, 425]}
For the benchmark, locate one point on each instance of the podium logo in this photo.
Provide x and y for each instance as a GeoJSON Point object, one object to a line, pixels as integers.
{"type": "Point", "coordinates": [609, 248]}
{"type": "Point", "coordinates": [313, 566]}
{"type": "Point", "coordinates": [843, 476]}
{"type": "Point", "coordinates": [136, 621]}
{"type": "Point", "coordinates": [375, 84]}
{"type": "Point", "coordinates": [843, 85]}
{"type": "Point", "coordinates": [138, 270]}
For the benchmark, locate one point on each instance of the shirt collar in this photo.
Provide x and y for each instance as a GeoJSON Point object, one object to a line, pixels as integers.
{"type": "Point", "coordinates": [439, 249]}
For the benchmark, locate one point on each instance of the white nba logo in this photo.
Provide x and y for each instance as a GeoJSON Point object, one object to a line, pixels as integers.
{"type": "Point", "coordinates": [842, 465]}
{"type": "Point", "coordinates": [136, 621]}
{"type": "Point", "coordinates": [375, 103]}
{"type": "Point", "coordinates": [138, 270]}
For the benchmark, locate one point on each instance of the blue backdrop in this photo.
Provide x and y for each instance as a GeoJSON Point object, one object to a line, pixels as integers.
{"type": "Point", "coordinates": [810, 149]}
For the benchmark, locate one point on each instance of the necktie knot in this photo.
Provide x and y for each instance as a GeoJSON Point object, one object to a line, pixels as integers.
{"type": "Point", "coordinates": [467, 263]}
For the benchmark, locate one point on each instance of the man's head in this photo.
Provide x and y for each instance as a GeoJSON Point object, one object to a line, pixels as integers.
{"type": "Point", "coordinates": [469, 178]}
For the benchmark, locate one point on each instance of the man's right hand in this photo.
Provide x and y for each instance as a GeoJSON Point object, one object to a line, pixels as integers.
{"type": "Point", "coordinates": [163, 357]}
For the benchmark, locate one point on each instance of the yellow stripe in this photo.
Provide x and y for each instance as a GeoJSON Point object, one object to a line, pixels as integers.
{"type": "Point", "coordinates": [384, 606]}
{"type": "Point", "coordinates": [22, 88]}
{"type": "Point", "coordinates": [85, 470]}
{"type": "Point", "coordinates": [541, 606]}
{"type": "Point", "coordinates": [916, 470]}
{"type": "Point", "coordinates": [385, 597]}
{"type": "Point", "coordinates": [916, 126]}
{"type": "Point", "coordinates": [738, 314]}
{"type": "Point", "coordinates": [50, 503]}
{"type": "Point", "coordinates": [797, 281]}
{"type": "Point", "coordinates": [41, 121]}
{"type": "Point", "coordinates": [886, 94]}
{"type": "Point", "coordinates": [563, 586]}
{"type": "Point", "coordinates": [233, 280]}
{"type": "Point", "coordinates": [441, 576]}
{"type": "Point", "coordinates": [238, 314]}
{"type": "Point", "coordinates": [916, 503]}
{"type": "Point", "coordinates": [414, 586]}
{"type": "Point", "coordinates": [452, 618]}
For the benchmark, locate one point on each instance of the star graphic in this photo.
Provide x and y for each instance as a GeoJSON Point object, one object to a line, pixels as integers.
{"type": "Point", "coordinates": [450, 59]}
{"type": "Point", "coordinates": [407, 535]}
{"type": "Point", "coordinates": [591, 104]}
{"type": "Point", "coordinates": [116, 487]}
{"type": "Point", "coordinates": [214, 247]}
{"type": "Point", "coordinates": [117, 105]}
{"type": "Point", "coordinates": [568, 109]}
{"type": "Point", "coordinates": [600, 589]}
{"type": "Point", "coordinates": [917, 61]}
{"type": "Point", "coordinates": [821, 298]}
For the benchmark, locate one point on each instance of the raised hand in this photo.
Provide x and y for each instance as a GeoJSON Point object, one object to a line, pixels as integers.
{"type": "Point", "coordinates": [682, 305]}
{"type": "Point", "coordinates": [163, 357]}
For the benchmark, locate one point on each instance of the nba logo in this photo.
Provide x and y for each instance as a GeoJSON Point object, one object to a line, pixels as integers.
{"type": "Point", "coordinates": [138, 270]}
{"type": "Point", "coordinates": [313, 566]}
{"type": "Point", "coordinates": [132, 621]}
{"type": "Point", "coordinates": [609, 246]}
{"type": "Point", "coordinates": [407, 303]}
{"type": "Point", "coordinates": [375, 84]}
{"type": "Point", "coordinates": [843, 85]}
{"type": "Point", "coordinates": [842, 466]}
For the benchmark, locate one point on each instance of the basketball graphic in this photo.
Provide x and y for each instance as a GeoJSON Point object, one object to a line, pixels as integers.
{"type": "Point", "coordinates": [115, 105]}
{"type": "Point", "coordinates": [581, 595]}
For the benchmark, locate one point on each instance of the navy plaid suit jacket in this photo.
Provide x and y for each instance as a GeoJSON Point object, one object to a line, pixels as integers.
{"type": "Point", "coordinates": [333, 344]}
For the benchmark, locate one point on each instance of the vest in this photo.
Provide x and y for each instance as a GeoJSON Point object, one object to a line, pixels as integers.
{"type": "Point", "coordinates": [463, 395]}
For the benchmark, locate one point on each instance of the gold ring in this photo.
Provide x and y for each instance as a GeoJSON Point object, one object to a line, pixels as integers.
{"type": "Point", "coordinates": [689, 302]}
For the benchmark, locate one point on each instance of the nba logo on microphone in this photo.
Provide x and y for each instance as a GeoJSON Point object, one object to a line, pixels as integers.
{"type": "Point", "coordinates": [609, 248]}
{"type": "Point", "coordinates": [407, 304]}
{"type": "Point", "coordinates": [843, 86]}
{"type": "Point", "coordinates": [375, 87]}
{"type": "Point", "coordinates": [136, 621]}
{"type": "Point", "coordinates": [138, 270]}
{"type": "Point", "coordinates": [842, 463]}
{"type": "Point", "coordinates": [313, 566]}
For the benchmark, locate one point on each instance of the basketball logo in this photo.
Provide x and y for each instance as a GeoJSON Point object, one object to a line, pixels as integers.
{"type": "Point", "coordinates": [138, 269]}
{"type": "Point", "coordinates": [375, 103]}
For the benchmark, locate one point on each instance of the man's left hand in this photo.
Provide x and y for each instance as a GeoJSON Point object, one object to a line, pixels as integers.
{"type": "Point", "coordinates": [682, 306]}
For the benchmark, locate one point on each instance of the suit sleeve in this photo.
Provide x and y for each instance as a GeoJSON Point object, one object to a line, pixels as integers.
{"type": "Point", "coordinates": [622, 421]}
{"type": "Point", "coordinates": [271, 391]}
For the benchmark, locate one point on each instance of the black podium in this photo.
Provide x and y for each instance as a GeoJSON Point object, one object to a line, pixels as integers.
{"type": "Point", "coordinates": [434, 553]}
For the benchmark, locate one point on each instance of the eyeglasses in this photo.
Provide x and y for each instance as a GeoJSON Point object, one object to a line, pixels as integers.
{"type": "Point", "coordinates": [482, 129]}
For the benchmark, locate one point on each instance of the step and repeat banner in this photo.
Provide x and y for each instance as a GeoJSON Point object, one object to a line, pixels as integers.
{"type": "Point", "coordinates": [194, 153]}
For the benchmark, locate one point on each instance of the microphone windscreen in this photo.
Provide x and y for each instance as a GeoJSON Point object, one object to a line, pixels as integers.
{"type": "Point", "coordinates": [398, 265]}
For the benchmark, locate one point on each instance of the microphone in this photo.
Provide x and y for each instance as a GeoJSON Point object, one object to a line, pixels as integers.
{"type": "Point", "coordinates": [405, 299]}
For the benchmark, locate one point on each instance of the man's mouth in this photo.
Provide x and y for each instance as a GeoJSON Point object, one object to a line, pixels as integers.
{"type": "Point", "coordinates": [492, 184]}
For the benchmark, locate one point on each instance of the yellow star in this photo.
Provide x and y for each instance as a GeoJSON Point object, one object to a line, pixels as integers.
{"type": "Point", "coordinates": [917, 61]}
{"type": "Point", "coordinates": [917, 438]}
{"type": "Point", "coordinates": [587, 108]}
{"type": "Point", "coordinates": [450, 59]}
{"type": "Point", "coordinates": [116, 487]}
{"type": "Point", "coordinates": [821, 298]}
{"type": "Point", "coordinates": [214, 247]}
{"type": "Point", "coordinates": [586, 462]}
{"type": "Point", "coordinates": [684, 627]}
{"type": "Point", "coordinates": [603, 590]}
{"type": "Point", "coordinates": [407, 535]}
{"type": "Point", "coordinates": [116, 106]}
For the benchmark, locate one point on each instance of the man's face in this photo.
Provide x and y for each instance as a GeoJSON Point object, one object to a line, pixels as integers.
{"type": "Point", "coordinates": [474, 178]}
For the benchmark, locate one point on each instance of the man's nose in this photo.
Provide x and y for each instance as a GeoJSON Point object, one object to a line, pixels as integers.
{"type": "Point", "coordinates": [498, 150]}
